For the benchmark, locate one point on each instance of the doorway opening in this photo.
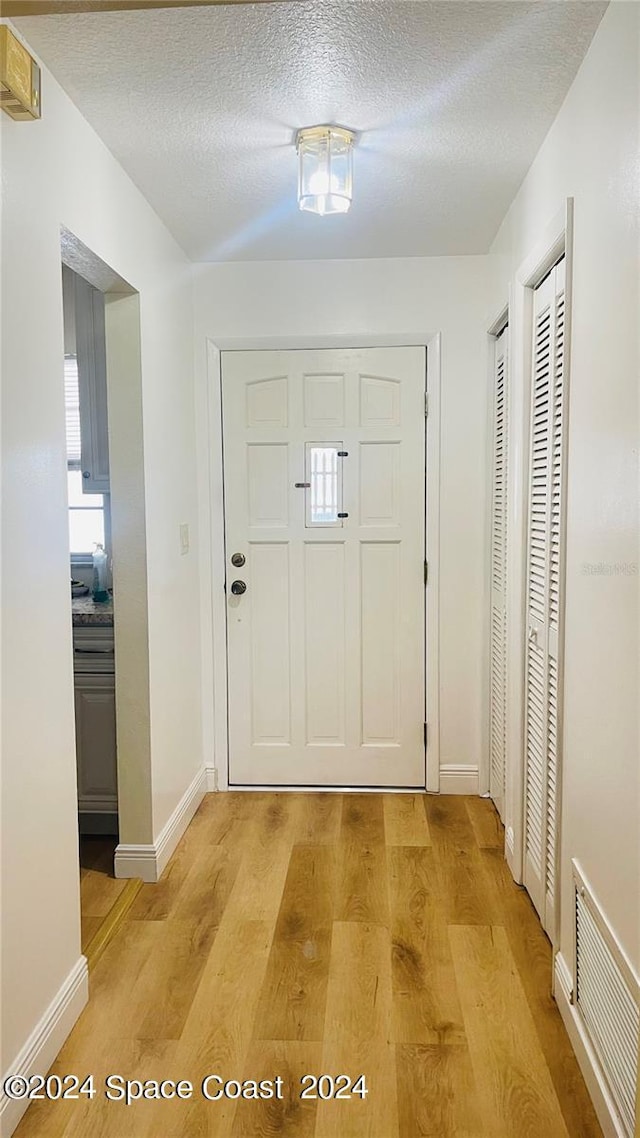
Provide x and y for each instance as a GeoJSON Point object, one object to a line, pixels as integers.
{"type": "Point", "coordinates": [106, 525]}
{"type": "Point", "coordinates": [89, 501]}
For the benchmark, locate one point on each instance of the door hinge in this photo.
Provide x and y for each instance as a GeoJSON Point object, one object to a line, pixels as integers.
{"type": "Point", "coordinates": [426, 404]}
{"type": "Point", "coordinates": [426, 571]}
{"type": "Point", "coordinates": [425, 734]}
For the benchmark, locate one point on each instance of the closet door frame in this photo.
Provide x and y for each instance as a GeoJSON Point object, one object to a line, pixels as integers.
{"type": "Point", "coordinates": [555, 241]}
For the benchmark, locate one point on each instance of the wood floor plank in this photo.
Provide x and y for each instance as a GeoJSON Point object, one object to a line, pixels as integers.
{"type": "Point", "coordinates": [81, 1117]}
{"type": "Point", "coordinates": [108, 927]}
{"type": "Point", "coordinates": [163, 995]}
{"type": "Point", "coordinates": [319, 818]}
{"type": "Point", "coordinates": [357, 1033]}
{"type": "Point", "coordinates": [226, 818]}
{"type": "Point", "coordinates": [308, 898]}
{"type": "Point", "coordinates": [159, 995]}
{"type": "Point", "coordinates": [532, 954]}
{"type": "Point", "coordinates": [112, 982]}
{"type": "Point", "coordinates": [218, 1031]}
{"type": "Point", "coordinates": [516, 1094]}
{"type": "Point", "coordinates": [136, 1059]}
{"type": "Point", "coordinates": [90, 926]}
{"type": "Point", "coordinates": [466, 897]}
{"type": "Point", "coordinates": [259, 885]}
{"type": "Point", "coordinates": [293, 998]}
{"type": "Point", "coordinates": [485, 820]}
{"type": "Point", "coordinates": [194, 886]}
{"type": "Point", "coordinates": [426, 1007]}
{"type": "Point", "coordinates": [155, 900]}
{"type": "Point", "coordinates": [405, 820]}
{"type": "Point", "coordinates": [292, 1116]}
{"type": "Point", "coordinates": [98, 892]}
{"type": "Point", "coordinates": [207, 886]}
{"type": "Point", "coordinates": [362, 883]}
{"type": "Point", "coordinates": [144, 984]}
{"type": "Point", "coordinates": [99, 889]}
{"type": "Point", "coordinates": [437, 1096]}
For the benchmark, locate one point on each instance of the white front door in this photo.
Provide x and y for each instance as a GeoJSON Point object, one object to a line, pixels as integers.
{"type": "Point", "coordinates": [324, 476]}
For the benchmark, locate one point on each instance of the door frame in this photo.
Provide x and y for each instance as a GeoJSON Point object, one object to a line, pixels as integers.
{"type": "Point", "coordinates": [215, 663]}
{"type": "Point", "coordinates": [555, 240]}
{"type": "Point", "coordinates": [128, 544]}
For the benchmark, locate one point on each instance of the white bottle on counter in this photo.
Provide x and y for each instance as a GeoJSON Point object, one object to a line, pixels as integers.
{"type": "Point", "coordinates": [100, 591]}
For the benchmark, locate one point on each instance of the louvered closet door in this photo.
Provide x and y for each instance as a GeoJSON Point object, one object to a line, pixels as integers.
{"type": "Point", "coordinates": [498, 663]}
{"type": "Point", "coordinates": [544, 600]}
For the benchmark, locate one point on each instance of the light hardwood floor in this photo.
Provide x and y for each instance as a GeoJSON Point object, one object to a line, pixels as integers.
{"type": "Point", "coordinates": [99, 889]}
{"type": "Point", "coordinates": [308, 933]}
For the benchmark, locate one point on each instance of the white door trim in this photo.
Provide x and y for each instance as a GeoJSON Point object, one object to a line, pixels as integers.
{"type": "Point", "coordinates": [556, 238]}
{"type": "Point", "coordinates": [215, 631]}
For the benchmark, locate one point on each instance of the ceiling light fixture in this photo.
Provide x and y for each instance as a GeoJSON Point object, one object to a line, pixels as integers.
{"type": "Point", "coordinates": [325, 168]}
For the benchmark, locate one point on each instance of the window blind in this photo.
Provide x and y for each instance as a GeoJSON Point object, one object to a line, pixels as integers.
{"type": "Point", "coordinates": [72, 412]}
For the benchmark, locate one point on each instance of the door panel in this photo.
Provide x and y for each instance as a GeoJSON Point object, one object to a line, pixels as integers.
{"type": "Point", "coordinates": [269, 665]}
{"type": "Point", "coordinates": [324, 461]}
{"type": "Point", "coordinates": [380, 592]}
{"type": "Point", "coordinates": [325, 642]}
{"type": "Point", "coordinates": [544, 594]}
{"type": "Point", "coordinates": [498, 631]}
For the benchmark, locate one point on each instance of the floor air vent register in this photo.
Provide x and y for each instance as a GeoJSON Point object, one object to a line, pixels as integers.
{"type": "Point", "coordinates": [607, 1002]}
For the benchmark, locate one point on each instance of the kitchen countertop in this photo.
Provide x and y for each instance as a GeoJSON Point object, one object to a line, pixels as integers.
{"type": "Point", "coordinates": [86, 611]}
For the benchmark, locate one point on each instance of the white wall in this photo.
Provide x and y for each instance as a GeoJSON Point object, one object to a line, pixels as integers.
{"type": "Point", "coordinates": [364, 298]}
{"type": "Point", "coordinates": [591, 153]}
{"type": "Point", "coordinates": [55, 172]}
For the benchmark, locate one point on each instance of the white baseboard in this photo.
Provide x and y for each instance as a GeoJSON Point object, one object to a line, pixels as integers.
{"type": "Point", "coordinates": [212, 779]}
{"type": "Point", "coordinates": [455, 779]}
{"type": "Point", "coordinates": [136, 861]}
{"type": "Point", "coordinates": [563, 988]}
{"type": "Point", "coordinates": [149, 862]}
{"type": "Point", "coordinates": [514, 863]}
{"type": "Point", "coordinates": [46, 1040]}
{"type": "Point", "coordinates": [563, 978]}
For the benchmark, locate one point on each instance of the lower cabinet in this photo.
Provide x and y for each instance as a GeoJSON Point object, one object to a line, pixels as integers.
{"type": "Point", "coordinates": [95, 695]}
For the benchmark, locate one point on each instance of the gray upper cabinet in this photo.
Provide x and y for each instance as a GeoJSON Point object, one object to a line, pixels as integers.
{"type": "Point", "coordinates": [92, 385]}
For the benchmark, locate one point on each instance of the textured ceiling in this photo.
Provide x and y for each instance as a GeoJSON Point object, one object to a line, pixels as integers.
{"type": "Point", "coordinates": [452, 100]}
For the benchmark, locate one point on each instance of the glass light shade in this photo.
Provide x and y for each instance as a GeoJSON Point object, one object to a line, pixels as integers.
{"type": "Point", "coordinates": [325, 169]}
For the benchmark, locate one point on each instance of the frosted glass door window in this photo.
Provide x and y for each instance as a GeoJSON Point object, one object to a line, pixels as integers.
{"type": "Point", "coordinates": [324, 478]}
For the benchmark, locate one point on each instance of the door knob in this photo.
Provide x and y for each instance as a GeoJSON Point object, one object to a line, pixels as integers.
{"type": "Point", "coordinates": [238, 588]}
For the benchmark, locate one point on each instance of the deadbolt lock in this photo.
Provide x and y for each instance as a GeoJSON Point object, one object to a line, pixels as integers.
{"type": "Point", "coordinates": [238, 559]}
